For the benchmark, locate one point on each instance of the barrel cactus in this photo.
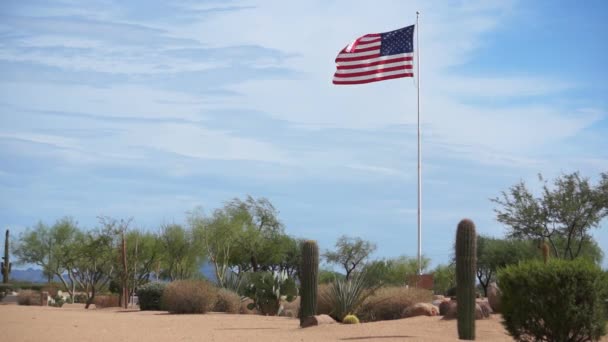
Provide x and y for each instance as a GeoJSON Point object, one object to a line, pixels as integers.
{"type": "Point", "coordinates": [309, 273]}
{"type": "Point", "coordinates": [466, 263]}
{"type": "Point", "coordinates": [350, 319]}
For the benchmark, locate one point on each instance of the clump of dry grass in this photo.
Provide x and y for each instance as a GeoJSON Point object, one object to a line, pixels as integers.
{"type": "Point", "coordinates": [28, 297]}
{"type": "Point", "coordinates": [389, 303]}
{"type": "Point", "coordinates": [228, 302]}
{"type": "Point", "coordinates": [189, 296]}
{"type": "Point", "coordinates": [324, 304]}
{"type": "Point", "coordinates": [106, 301]}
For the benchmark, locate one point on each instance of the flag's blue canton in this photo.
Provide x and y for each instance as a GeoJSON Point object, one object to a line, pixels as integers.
{"type": "Point", "coordinates": [398, 41]}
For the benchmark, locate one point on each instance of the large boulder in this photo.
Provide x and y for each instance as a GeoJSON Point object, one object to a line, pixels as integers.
{"type": "Point", "coordinates": [452, 311]}
{"type": "Point", "coordinates": [494, 295]}
{"type": "Point", "coordinates": [444, 307]}
{"type": "Point", "coordinates": [421, 309]}
{"type": "Point", "coordinates": [486, 309]}
{"type": "Point", "coordinates": [317, 320]}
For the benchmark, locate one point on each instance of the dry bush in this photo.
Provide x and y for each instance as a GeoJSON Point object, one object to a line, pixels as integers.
{"type": "Point", "coordinates": [106, 301]}
{"type": "Point", "coordinates": [291, 309]}
{"type": "Point", "coordinates": [389, 303]}
{"type": "Point", "coordinates": [245, 310]}
{"type": "Point", "coordinates": [28, 297]}
{"type": "Point", "coordinates": [228, 302]}
{"type": "Point", "coordinates": [189, 296]}
{"type": "Point", "coordinates": [324, 306]}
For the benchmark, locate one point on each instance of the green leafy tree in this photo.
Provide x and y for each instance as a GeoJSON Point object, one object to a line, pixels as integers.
{"type": "Point", "coordinates": [94, 262]}
{"type": "Point", "coordinates": [567, 209]}
{"type": "Point", "coordinates": [50, 248]}
{"type": "Point", "coordinates": [182, 254]}
{"type": "Point", "coordinates": [350, 253]}
{"type": "Point", "coordinates": [395, 271]}
{"type": "Point", "coordinates": [144, 251]}
{"type": "Point", "coordinates": [259, 227]}
{"type": "Point", "coordinates": [493, 254]}
{"type": "Point", "coordinates": [444, 278]}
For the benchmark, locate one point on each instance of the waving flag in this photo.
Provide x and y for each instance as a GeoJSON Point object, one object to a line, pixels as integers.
{"type": "Point", "coordinates": [376, 57]}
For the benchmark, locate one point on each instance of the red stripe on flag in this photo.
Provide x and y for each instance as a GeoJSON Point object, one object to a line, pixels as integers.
{"type": "Point", "coordinates": [386, 61]}
{"type": "Point", "coordinates": [374, 71]}
{"type": "Point", "coordinates": [369, 80]}
{"type": "Point", "coordinates": [360, 58]}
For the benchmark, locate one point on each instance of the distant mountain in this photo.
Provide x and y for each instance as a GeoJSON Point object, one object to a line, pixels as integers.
{"type": "Point", "coordinates": [35, 275]}
{"type": "Point", "coordinates": [31, 275]}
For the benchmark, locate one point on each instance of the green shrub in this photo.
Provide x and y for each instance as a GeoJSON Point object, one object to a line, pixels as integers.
{"type": "Point", "coordinates": [80, 298]}
{"type": "Point", "coordinates": [558, 301]}
{"type": "Point", "coordinates": [346, 296]}
{"type": "Point", "coordinates": [189, 296]}
{"type": "Point", "coordinates": [150, 296]}
{"type": "Point", "coordinates": [227, 301]}
{"type": "Point", "coordinates": [28, 297]}
{"type": "Point", "coordinates": [58, 301]}
{"type": "Point", "coordinates": [268, 289]}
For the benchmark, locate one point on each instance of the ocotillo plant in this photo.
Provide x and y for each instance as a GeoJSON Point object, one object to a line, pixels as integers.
{"type": "Point", "coordinates": [309, 273]}
{"type": "Point", "coordinates": [466, 263]}
{"type": "Point", "coordinates": [6, 265]}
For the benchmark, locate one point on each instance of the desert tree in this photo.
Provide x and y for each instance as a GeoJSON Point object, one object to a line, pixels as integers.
{"type": "Point", "coordinates": [350, 253]}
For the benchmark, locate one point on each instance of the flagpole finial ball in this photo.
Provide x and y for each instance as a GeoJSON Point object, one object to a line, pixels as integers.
{"type": "Point", "coordinates": [417, 12]}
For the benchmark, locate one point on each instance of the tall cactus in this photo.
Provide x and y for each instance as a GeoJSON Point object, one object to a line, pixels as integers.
{"type": "Point", "coordinates": [309, 273]}
{"type": "Point", "coordinates": [466, 263]}
{"type": "Point", "coordinates": [6, 265]}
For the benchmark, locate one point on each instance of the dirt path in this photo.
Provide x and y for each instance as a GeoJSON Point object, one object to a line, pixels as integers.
{"type": "Point", "coordinates": [73, 323]}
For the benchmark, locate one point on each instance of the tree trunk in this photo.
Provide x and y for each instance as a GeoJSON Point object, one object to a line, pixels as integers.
{"type": "Point", "coordinates": [90, 300]}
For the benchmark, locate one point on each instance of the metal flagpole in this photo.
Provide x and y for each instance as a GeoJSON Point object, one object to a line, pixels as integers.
{"type": "Point", "coordinates": [419, 156]}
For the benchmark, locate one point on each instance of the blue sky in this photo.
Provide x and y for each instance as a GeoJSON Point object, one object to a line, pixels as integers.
{"type": "Point", "coordinates": [149, 109]}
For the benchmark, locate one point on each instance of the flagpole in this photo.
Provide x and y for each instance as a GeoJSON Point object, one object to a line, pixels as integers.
{"type": "Point", "coordinates": [419, 155]}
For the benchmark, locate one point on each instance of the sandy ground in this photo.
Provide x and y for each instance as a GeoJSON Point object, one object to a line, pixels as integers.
{"type": "Point", "coordinates": [73, 323]}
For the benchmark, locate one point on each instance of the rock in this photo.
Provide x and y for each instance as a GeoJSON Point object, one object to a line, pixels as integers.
{"type": "Point", "coordinates": [438, 297]}
{"type": "Point", "coordinates": [445, 306]}
{"type": "Point", "coordinates": [486, 309]}
{"type": "Point", "coordinates": [244, 310]}
{"type": "Point", "coordinates": [452, 311]}
{"type": "Point", "coordinates": [421, 309]}
{"type": "Point", "coordinates": [494, 295]}
{"type": "Point", "coordinates": [316, 320]}
{"type": "Point", "coordinates": [437, 302]}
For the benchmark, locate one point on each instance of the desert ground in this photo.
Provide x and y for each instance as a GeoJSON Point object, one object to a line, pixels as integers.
{"type": "Point", "coordinates": [74, 323]}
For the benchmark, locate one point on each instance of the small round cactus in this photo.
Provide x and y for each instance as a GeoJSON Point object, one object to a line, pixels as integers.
{"type": "Point", "coordinates": [350, 319]}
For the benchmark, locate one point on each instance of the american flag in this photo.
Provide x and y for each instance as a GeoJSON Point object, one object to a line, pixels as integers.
{"type": "Point", "coordinates": [376, 57]}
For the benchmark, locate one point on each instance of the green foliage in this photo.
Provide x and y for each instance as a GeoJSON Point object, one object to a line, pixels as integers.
{"type": "Point", "coordinates": [57, 302]}
{"type": "Point", "coordinates": [347, 296]}
{"type": "Point", "coordinates": [350, 253]}
{"type": "Point", "coordinates": [6, 265]}
{"type": "Point", "coordinates": [150, 296]}
{"type": "Point", "coordinates": [493, 254]}
{"type": "Point", "coordinates": [444, 278]}
{"type": "Point", "coordinates": [327, 276]}
{"type": "Point", "coordinates": [189, 296]}
{"type": "Point", "coordinates": [567, 210]}
{"type": "Point", "coordinates": [182, 254]}
{"type": "Point", "coordinates": [266, 289]}
{"type": "Point", "coordinates": [395, 271]}
{"type": "Point", "coordinates": [350, 319]}
{"type": "Point", "coordinates": [560, 301]}
{"type": "Point", "coordinates": [309, 278]}
{"type": "Point", "coordinates": [466, 254]}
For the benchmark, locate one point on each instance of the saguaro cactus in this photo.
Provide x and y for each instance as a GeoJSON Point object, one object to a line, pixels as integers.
{"type": "Point", "coordinates": [466, 263]}
{"type": "Point", "coordinates": [6, 265]}
{"type": "Point", "coordinates": [309, 279]}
